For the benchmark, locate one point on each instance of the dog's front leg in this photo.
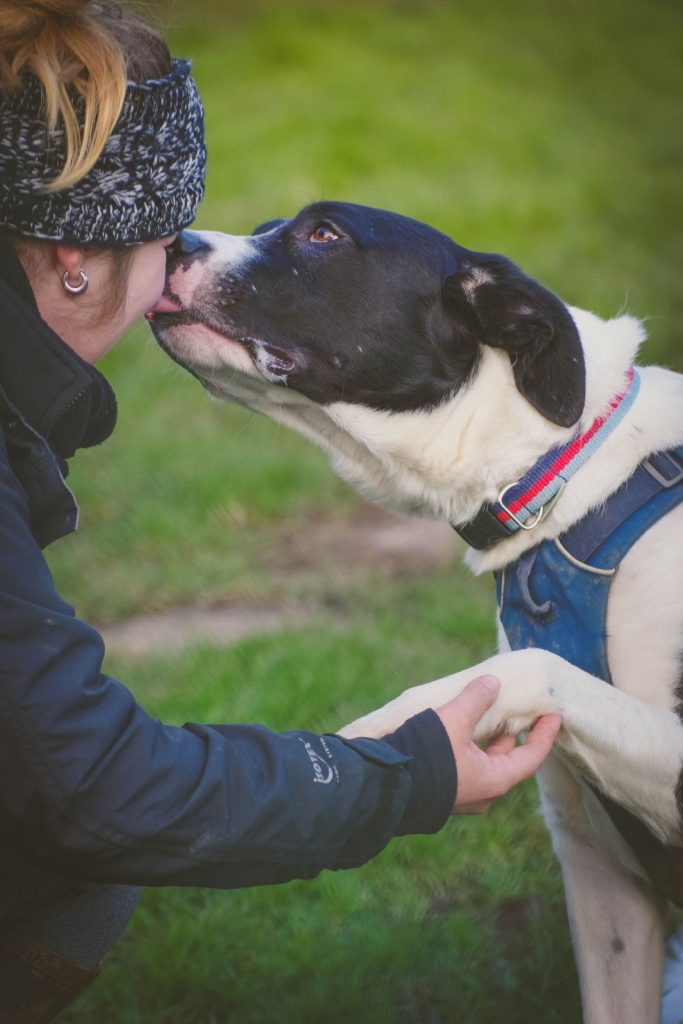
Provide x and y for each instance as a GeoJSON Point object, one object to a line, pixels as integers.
{"type": "Point", "coordinates": [633, 751]}
{"type": "Point", "coordinates": [616, 919]}
{"type": "Point", "coordinates": [518, 694]}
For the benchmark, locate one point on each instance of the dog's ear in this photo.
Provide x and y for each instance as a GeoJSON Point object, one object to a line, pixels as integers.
{"type": "Point", "coordinates": [491, 297]}
{"type": "Point", "coordinates": [268, 225]}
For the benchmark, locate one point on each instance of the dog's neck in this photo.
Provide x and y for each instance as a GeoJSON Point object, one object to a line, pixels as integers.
{"type": "Point", "coordinates": [447, 462]}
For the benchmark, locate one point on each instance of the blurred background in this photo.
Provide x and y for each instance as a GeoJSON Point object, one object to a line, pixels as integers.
{"type": "Point", "coordinates": [237, 580]}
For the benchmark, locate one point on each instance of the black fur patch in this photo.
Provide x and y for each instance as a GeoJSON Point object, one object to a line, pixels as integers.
{"type": "Point", "coordinates": [528, 322]}
{"type": "Point", "coordinates": [663, 864]}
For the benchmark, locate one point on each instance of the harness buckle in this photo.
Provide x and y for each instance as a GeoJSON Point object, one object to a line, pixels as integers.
{"type": "Point", "coordinates": [662, 480]}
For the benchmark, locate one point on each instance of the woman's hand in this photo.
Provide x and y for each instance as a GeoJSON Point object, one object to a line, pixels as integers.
{"type": "Point", "coordinates": [484, 775]}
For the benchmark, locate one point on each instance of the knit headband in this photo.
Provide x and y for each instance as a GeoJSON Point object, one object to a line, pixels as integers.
{"type": "Point", "coordinates": [146, 184]}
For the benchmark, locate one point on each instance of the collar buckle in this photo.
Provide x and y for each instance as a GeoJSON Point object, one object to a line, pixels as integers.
{"type": "Point", "coordinates": [536, 517]}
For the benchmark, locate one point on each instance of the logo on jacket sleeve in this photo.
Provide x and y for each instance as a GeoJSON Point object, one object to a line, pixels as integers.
{"type": "Point", "coordinates": [323, 770]}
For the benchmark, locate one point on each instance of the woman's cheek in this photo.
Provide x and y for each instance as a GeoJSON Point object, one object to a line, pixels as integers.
{"type": "Point", "coordinates": [149, 290]}
{"type": "Point", "coordinates": [160, 282]}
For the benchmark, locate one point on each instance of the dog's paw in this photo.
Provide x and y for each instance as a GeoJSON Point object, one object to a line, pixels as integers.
{"type": "Point", "coordinates": [494, 723]}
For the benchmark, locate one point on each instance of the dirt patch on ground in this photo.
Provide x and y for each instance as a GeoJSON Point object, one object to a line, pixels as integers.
{"type": "Point", "coordinates": [374, 541]}
{"type": "Point", "coordinates": [173, 631]}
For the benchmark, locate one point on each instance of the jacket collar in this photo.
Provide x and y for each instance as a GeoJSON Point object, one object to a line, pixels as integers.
{"type": "Point", "coordinates": [62, 397]}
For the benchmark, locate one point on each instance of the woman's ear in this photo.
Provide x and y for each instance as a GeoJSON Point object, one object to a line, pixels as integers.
{"type": "Point", "coordinates": [510, 311]}
{"type": "Point", "coordinates": [69, 258]}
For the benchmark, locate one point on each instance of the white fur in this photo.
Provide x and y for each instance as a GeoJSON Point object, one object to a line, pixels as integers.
{"type": "Point", "coordinates": [227, 251]}
{"type": "Point", "coordinates": [626, 738]}
{"type": "Point", "coordinates": [202, 346]}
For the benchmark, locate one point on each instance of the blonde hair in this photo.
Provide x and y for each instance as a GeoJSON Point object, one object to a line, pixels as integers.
{"type": "Point", "coordinates": [82, 52]}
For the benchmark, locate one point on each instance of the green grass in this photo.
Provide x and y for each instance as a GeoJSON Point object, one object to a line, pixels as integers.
{"type": "Point", "coordinates": [545, 131]}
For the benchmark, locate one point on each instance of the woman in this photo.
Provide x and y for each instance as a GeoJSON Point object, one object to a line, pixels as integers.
{"type": "Point", "coordinates": [101, 164]}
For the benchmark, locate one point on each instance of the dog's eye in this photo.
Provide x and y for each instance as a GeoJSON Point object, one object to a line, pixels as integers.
{"type": "Point", "coordinates": [323, 233]}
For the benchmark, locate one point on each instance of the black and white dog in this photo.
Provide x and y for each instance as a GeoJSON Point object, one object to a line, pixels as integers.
{"type": "Point", "coordinates": [435, 377]}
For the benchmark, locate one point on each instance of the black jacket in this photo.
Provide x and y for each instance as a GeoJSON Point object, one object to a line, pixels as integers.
{"type": "Point", "coordinates": [91, 785]}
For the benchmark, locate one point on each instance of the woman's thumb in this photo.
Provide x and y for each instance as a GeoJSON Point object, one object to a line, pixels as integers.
{"type": "Point", "coordinates": [472, 703]}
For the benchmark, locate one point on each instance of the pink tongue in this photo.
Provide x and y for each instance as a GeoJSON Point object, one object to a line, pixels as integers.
{"type": "Point", "coordinates": [166, 305]}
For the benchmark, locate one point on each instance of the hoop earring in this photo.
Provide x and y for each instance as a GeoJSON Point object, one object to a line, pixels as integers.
{"type": "Point", "coordinates": [76, 289]}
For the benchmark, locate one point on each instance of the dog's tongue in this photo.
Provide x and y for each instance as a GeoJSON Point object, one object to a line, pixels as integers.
{"type": "Point", "coordinates": [164, 305]}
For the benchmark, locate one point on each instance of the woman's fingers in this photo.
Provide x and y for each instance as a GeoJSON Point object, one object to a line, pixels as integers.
{"type": "Point", "coordinates": [501, 744]}
{"type": "Point", "coordinates": [514, 765]}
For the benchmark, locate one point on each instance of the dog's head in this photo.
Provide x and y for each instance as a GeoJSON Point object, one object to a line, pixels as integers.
{"type": "Point", "coordinates": [344, 303]}
{"type": "Point", "coordinates": [417, 364]}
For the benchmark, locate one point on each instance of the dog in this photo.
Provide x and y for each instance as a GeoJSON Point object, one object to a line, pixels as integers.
{"type": "Point", "coordinates": [435, 377]}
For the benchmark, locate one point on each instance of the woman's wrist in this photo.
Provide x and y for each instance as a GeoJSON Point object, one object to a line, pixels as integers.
{"type": "Point", "coordinates": [432, 769]}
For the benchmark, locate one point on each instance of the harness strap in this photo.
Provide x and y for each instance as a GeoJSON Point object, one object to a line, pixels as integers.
{"type": "Point", "coordinates": [661, 474]}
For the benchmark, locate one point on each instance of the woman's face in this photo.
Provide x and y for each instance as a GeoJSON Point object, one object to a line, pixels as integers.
{"type": "Point", "coordinates": [79, 320]}
{"type": "Point", "coordinates": [146, 280]}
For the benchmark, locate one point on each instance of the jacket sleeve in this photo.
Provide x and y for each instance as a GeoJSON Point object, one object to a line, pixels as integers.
{"type": "Point", "coordinates": [93, 787]}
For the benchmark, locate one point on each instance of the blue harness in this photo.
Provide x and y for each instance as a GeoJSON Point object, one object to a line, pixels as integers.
{"type": "Point", "coordinates": [555, 595]}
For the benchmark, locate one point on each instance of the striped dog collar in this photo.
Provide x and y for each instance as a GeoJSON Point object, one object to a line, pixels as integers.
{"type": "Point", "coordinates": [523, 504]}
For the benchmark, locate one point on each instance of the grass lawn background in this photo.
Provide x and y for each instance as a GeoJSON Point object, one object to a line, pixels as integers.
{"type": "Point", "coordinates": [549, 132]}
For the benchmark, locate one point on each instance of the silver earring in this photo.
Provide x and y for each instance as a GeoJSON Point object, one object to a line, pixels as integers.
{"type": "Point", "coordinates": [76, 289]}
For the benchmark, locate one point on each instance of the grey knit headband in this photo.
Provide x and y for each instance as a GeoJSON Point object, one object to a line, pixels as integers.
{"type": "Point", "coordinates": [146, 184]}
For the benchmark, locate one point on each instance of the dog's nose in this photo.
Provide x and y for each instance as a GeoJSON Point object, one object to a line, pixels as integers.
{"type": "Point", "coordinates": [188, 243]}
